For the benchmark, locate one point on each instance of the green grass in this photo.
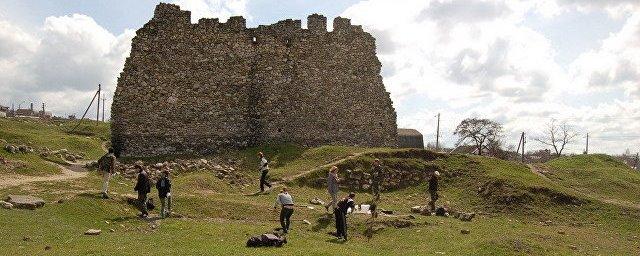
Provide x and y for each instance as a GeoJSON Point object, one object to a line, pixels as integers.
{"type": "Point", "coordinates": [54, 135]}
{"type": "Point", "coordinates": [599, 175]}
{"type": "Point", "coordinates": [519, 212]}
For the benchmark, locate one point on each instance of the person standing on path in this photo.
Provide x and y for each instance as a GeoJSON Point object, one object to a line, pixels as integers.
{"type": "Point", "coordinates": [107, 165]}
{"type": "Point", "coordinates": [332, 187]}
{"type": "Point", "coordinates": [264, 170]}
{"type": "Point", "coordinates": [143, 187]}
{"type": "Point", "coordinates": [164, 193]}
{"type": "Point", "coordinates": [376, 173]}
{"type": "Point", "coordinates": [433, 190]}
{"type": "Point", "coordinates": [286, 201]}
{"type": "Point", "coordinates": [341, 215]}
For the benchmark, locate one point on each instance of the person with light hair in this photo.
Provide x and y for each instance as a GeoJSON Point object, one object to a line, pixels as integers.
{"type": "Point", "coordinates": [332, 187]}
{"type": "Point", "coordinates": [286, 201]}
{"type": "Point", "coordinates": [264, 171]}
{"type": "Point", "coordinates": [433, 190]}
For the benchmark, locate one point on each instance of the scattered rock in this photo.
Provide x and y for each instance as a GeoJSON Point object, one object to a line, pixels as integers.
{"type": "Point", "coordinates": [25, 202]}
{"type": "Point", "coordinates": [48, 247]}
{"type": "Point", "coordinates": [60, 201]}
{"type": "Point", "coordinates": [112, 230]}
{"type": "Point", "coordinates": [26, 239]}
{"type": "Point", "coordinates": [561, 232]}
{"type": "Point", "coordinates": [316, 201]}
{"type": "Point", "coordinates": [306, 222]}
{"type": "Point", "coordinates": [465, 231]}
{"type": "Point", "coordinates": [466, 216]}
{"type": "Point", "coordinates": [6, 205]}
{"type": "Point", "coordinates": [93, 232]}
{"type": "Point", "coordinates": [573, 247]}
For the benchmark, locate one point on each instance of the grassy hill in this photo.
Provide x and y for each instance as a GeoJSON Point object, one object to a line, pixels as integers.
{"type": "Point", "coordinates": [53, 135]}
{"type": "Point", "coordinates": [519, 212]}
{"type": "Point", "coordinates": [600, 176]}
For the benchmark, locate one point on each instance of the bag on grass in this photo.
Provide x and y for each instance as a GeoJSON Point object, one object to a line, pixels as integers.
{"type": "Point", "coordinates": [150, 204]}
{"type": "Point", "coordinates": [266, 240]}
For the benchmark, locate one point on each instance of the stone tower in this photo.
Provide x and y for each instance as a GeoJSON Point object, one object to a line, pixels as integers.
{"type": "Point", "coordinates": [199, 88]}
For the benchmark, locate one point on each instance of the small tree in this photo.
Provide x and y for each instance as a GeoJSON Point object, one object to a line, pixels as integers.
{"type": "Point", "coordinates": [557, 136]}
{"type": "Point", "coordinates": [481, 131]}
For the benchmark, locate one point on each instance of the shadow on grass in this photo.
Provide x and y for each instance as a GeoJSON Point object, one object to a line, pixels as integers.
{"type": "Point", "coordinates": [130, 218]}
{"type": "Point", "coordinates": [336, 241]}
{"type": "Point", "coordinates": [91, 195]}
{"type": "Point", "coordinates": [322, 223]}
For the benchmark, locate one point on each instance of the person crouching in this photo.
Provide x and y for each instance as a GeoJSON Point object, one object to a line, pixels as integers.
{"type": "Point", "coordinates": [341, 215]}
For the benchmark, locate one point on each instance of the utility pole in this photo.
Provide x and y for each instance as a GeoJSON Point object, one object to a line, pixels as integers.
{"type": "Point", "coordinates": [103, 103]}
{"type": "Point", "coordinates": [438, 134]}
{"type": "Point", "coordinates": [586, 151]}
{"type": "Point", "coordinates": [98, 108]}
{"type": "Point", "coordinates": [524, 140]}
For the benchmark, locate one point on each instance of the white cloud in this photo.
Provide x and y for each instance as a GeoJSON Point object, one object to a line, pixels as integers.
{"type": "Point", "coordinates": [222, 9]}
{"type": "Point", "coordinates": [61, 63]}
{"type": "Point", "coordinates": [479, 59]}
{"type": "Point", "coordinates": [615, 64]}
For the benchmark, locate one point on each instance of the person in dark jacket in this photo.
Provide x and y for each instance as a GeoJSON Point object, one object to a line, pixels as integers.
{"type": "Point", "coordinates": [433, 190]}
{"type": "Point", "coordinates": [341, 215]}
{"type": "Point", "coordinates": [143, 187]}
{"type": "Point", "coordinates": [164, 193]}
{"type": "Point", "coordinates": [376, 174]}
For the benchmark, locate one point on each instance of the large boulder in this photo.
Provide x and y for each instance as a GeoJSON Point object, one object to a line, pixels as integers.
{"type": "Point", "coordinates": [25, 202]}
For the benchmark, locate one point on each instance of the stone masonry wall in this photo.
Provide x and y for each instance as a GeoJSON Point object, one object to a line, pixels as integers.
{"type": "Point", "coordinates": [199, 88]}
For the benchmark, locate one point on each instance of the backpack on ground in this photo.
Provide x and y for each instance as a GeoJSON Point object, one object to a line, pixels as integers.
{"type": "Point", "coordinates": [266, 240]}
{"type": "Point", "coordinates": [150, 204]}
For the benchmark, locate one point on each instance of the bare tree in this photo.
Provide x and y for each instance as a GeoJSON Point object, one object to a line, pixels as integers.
{"type": "Point", "coordinates": [481, 131]}
{"type": "Point", "coordinates": [557, 136]}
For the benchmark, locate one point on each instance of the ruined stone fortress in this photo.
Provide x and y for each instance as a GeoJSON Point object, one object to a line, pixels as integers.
{"type": "Point", "coordinates": [205, 87]}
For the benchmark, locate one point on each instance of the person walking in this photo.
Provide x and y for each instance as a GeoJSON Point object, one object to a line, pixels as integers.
{"type": "Point", "coordinates": [341, 215]}
{"type": "Point", "coordinates": [164, 193]}
{"type": "Point", "coordinates": [264, 170]}
{"type": "Point", "coordinates": [107, 165]}
{"type": "Point", "coordinates": [433, 190]}
{"type": "Point", "coordinates": [376, 173]}
{"type": "Point", "coordinates": [143, 187]}
{"type": "Point", "coordinates": [332, 187]}
{"type": "Point", "coordinates": [286, 201]}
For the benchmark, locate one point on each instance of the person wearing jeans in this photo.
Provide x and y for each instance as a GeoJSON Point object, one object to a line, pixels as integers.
{"type": "Point", "coordinates": [164, 193]}
{"type": "Point", "coordinates": [285, 199]}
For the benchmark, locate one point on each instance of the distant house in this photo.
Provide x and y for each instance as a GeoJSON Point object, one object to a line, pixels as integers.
{"type": "Point", "coordinates": [410, 138]}
{"type": "Point", "coordinates": [4, 111]}
{"type": "Point", "coordinates": [24, 112]}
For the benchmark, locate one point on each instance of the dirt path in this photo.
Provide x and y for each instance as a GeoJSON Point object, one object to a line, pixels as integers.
{"type": "Point", "coordinates": [541, 172]}
{"type": "Point", "coordinates": [74, 171]}
{"type": "Point", "coordinates": [336, 162]}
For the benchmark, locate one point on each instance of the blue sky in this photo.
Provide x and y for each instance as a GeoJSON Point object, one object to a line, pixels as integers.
{"type": "Point", "coordinates": [520, 62]}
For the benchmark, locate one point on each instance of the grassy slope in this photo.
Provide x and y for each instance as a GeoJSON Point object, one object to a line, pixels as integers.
{"type": "Point", "coordinates": [53, 135]}
{"type": "Point", "coordinates": [220, 218]}
{"type": "Point", "coordinates": [598, 175]}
